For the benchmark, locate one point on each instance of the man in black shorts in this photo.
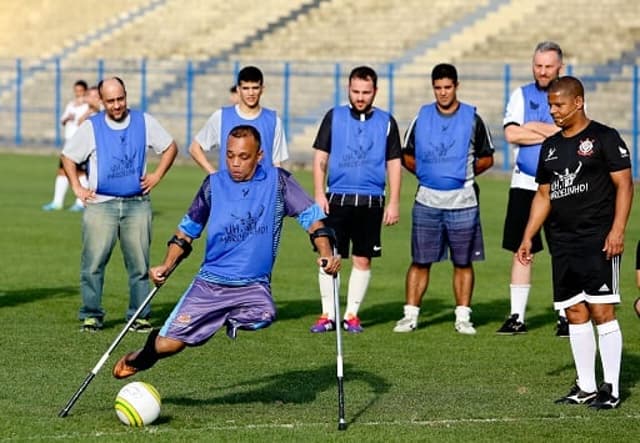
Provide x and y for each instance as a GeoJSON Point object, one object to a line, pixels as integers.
{"type": "Point", "coordinates": [527, 122]}
{"type": "Point", "coordinates": [356, 147]}
{"type": "Point", "coordinates": [585, 192]}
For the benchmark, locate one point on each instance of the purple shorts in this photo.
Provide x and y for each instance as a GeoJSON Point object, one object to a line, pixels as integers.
{"type": "Point", "coordinates": [206, 307]}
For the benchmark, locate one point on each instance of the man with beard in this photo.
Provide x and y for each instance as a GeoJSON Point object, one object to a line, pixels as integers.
{"type": "Point", "coordinates": [527, 122]}
{"type": "Point", "coordinates": [357, 147]}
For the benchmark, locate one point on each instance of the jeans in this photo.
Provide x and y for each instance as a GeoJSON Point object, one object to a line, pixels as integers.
{"type": "Point", "coordinates": [128, 219]}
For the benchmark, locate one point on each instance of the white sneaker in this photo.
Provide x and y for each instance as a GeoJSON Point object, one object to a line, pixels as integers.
{"type": "Point", "coordinates": [465, 327]}
{"type": "Point", "coordinates": [406, 324]}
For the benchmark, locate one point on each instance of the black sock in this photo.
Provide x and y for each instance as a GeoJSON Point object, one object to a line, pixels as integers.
{"type": "Point", "coordinates": [148, 356]}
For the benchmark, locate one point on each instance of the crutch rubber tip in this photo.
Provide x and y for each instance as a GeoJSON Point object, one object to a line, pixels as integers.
{"type": "Point", "coordinates": [342, 426]}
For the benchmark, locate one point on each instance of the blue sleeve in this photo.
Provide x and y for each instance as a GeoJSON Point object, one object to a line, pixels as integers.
{"type": "Point", "coordinates": [191, 228]}
{"type": "Point", "coordinates": [309, 216]}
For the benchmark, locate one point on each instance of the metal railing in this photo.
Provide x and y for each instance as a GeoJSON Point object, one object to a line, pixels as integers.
{"type": "Point", "coordinates": [182, 96]}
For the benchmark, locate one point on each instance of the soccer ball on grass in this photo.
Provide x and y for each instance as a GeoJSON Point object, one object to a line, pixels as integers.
{"type": "Point", "coordinates": [138, 404]}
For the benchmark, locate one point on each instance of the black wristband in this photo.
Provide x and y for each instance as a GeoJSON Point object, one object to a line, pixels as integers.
{"type": "Point", "coordinates": [182, 243]}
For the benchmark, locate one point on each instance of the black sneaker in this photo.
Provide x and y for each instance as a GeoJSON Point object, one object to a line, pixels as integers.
{"type": "Point", "coordinates": [141, 325]}
{"type": "Point", "coordinates": [577, 396]}
{"type": "Point", "coordinates": [604, 399]}
{"type": "Point", "coordinates": [562, 327]}
{"type": "Point", "coordinates": [512, 326]}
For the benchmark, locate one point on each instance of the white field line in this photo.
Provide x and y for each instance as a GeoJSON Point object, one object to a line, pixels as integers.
{"type": "Point", "coordinates": [299, 425]}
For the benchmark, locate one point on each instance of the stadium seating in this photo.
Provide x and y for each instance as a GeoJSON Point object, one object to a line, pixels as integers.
{"type": "Point", "coordinates": [40, 28]}
{"type": "Point", "coordinates": [321, 40]}
{"type": "Point", "coordinates": [190, 29]}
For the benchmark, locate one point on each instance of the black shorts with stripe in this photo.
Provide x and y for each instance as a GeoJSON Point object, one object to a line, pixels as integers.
{"type": "Point", "coordinates": [579, 277]}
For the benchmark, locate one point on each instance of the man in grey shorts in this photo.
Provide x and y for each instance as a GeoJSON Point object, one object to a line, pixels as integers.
{"type": "Point", "coordinates": [244, 206]}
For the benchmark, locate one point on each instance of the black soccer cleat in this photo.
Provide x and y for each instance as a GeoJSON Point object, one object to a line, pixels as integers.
{"type": "Point", "coordinates": [562, 327]}
{"type": "Point", "coordinates": [512, 326]}
{"type": "Point", "coordinates": [604, 399]}
{"type": "Point", "coordinates": [577, 396]}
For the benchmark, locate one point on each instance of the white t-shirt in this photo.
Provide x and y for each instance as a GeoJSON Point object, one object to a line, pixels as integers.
{"type": "Point", "coordinates": [209, 136]}
{"type": "Point", "coordinates": [515, 114]}
{"type": "Point", "coordinates": [77, 111]}
{"type": "Point", "coordinates": [82, 145]}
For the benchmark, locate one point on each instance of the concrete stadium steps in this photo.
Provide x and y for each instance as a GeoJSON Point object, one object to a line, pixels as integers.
{"type": "Point", "coordinates": [373, 30]}
{"type": "Point", "coordinates": [191, 29]}
{"type": "Point", "coordinates": [464, 45]}
{"type": "Point", "coordinates": [589, 31]}
{"type": "Point", "coordinates": [339, 27]}
{"type": "Point", "coordinates": [48, 27]}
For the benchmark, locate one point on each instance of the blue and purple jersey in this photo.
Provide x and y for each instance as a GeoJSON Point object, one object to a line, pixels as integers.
{"type": "Point", "coordinates": [290, 200]}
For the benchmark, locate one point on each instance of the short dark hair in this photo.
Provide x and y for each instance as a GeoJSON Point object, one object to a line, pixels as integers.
{"type": "Point", "coordinates": [364, 73]}
{"type": "Point", "coordinates": [81, 83]}
{"type": "Point", "coordinates": [233, 89]}
{"type": "Point", "coordinates": [444, 70]}
{"type": "Point", "coordinates": [250, 74]}
{"type": "Point", "coordinates": [242, 131]}
{"type": "Point", "coordinates": [118, 79]}
{"type": "Point", "coordinates": [567, 84]}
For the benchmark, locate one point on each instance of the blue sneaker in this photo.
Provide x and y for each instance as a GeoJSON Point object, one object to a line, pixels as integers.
{"type": "Point", "coordinates": [76, 208]}
{"type": "Point", "coordinates": [323, 324]}
{"type": "Point", "coordinates": [51, 207]}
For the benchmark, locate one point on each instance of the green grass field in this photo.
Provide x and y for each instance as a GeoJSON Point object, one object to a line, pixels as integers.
{"type": "Point", "coordinates": [279, 384]}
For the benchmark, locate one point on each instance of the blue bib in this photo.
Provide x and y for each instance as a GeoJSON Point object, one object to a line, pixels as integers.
{"type": "Point", "coordinates": [120, 155]}
{"type": "Point", "coordinates": [241, 226]}
{"type": "Point", "coordinates": [442, 146]}
{"type": "Point", "coordinates": [536, 108]}
{"type": "Point", "coordinates": [265, 124]}
{"type": "Point", "coordinates": [357, 164]}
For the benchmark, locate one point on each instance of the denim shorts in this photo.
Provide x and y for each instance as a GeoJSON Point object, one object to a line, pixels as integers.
{"type": "Point", "coordinates": [435, 232]}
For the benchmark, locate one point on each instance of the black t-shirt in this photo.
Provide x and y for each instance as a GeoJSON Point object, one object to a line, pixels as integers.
{"type": "Point", "coordinates": [323, 138]}
{"type": "Point", "coordinates": [582, 194]}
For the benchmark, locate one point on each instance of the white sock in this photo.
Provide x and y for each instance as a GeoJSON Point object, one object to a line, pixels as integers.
{"type": "Point", "coordinates": [85, 184]}
{"type": "Point", "coordinates": [326, 293]}
{"type": "Point", "coordinates": [463, 313]}
{"type": "Point", "coordinates": [358, 284]}
{"type": "Point", "coordinates": [519, 298]}
{"type": "Point", "coordinates": [610, 345]}
{"type": "Point", "coordinates": [412, 312]}
{"type": "Point", "coordinates": [60, 190]}
{"type": "Point", "coordinates": [583, 347]}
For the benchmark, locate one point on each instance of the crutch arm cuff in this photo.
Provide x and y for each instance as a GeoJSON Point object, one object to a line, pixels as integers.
{"type": "Point", "coordinates": [182, 244]}
{"type": "Point", "coordinates": [323, 231]}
